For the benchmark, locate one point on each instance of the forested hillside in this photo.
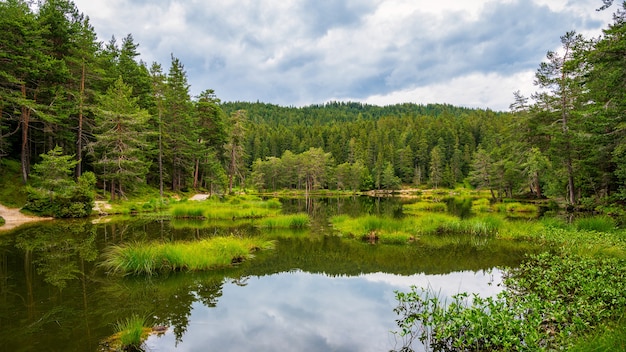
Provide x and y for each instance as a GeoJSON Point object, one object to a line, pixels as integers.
{"type": "Point", "coordinates": [133, 123]}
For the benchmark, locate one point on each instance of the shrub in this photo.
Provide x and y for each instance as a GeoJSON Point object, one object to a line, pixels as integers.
{"type": "Point", "coordinates": [2, 222]}
{"type": "Point", "coordinates": [548, 301]}
{"type": "Point", "coordinates": [54, 192]}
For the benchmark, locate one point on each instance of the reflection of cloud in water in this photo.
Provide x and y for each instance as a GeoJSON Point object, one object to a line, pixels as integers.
{"type": "Point", "coordinates": [484, 283]}
{"type": "Point", "coordinates": [299, 311]}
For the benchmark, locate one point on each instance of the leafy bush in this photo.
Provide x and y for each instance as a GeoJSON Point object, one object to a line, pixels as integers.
{"type": "Point", "coordinates": [548, 301]}
{"type": "Point", "coordinates": [2, 222]}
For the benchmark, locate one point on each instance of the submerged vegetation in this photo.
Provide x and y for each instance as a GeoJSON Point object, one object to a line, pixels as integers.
{"type": "Point", "coordinates": [153, 258]}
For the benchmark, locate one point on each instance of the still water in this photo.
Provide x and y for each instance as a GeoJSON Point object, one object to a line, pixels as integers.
{"type": "Point", "coordinates": [314, 292]}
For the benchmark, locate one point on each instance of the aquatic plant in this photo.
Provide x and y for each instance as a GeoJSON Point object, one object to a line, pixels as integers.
{"type": "Point", "coordinates": [292, 221]}
{"type": "Point", "coordinates": [151, 258]}
{"type": "Point", "coordinates": [548, 301]}
{"type": "Point", "coordinates": [424, 206]}
{"type": "Point", "coordinates": [131, 332]}
{"type": "Point", "coordinates": [223, 210]}
{"type": "Point", "coordinates": [481, 205]}
{"type": "Point", "coordinates": [376, 229]}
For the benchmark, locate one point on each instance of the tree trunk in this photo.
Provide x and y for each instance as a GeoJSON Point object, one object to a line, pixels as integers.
{"type": "Point", "coordinates": [160, 153]}
{"type": "Point", "coordinates": [25, 121]}
{"type": "Point", "coordinates": [195, 174]}
{"type": "Point", "coordinates": [79, 137]}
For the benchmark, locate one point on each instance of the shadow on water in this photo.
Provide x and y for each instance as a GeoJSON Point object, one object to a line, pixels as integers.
{"type": "Point", "coordinates": [56, 297]}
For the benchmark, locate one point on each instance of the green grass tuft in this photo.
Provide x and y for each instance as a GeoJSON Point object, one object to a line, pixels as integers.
{"type": "Point", "coordinates": [293, 221]}
{"type": "Point", "coordinates": [424, 206]}
{"type": "Point", "coordinates": [601, 223]}
{"type": "Point", "coordinates": [151, 258]}
{"type": "Point", "coordinates": [131, 332]}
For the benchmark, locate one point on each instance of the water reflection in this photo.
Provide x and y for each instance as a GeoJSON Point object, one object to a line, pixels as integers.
{"type": "Point", "coordinates": [315, 291]}
{"type": "Point", "coordinates": [299, 311]}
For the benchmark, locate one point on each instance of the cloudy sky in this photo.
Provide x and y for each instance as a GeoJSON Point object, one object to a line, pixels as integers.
{"type": "Point", "coordinates": [473, 53]}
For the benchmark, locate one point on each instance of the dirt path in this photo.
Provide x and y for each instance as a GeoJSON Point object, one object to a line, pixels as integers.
{"type": "Point", "coordinates": [13, 218]}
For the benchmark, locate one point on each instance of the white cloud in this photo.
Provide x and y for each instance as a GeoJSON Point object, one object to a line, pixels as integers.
{"type": "Point", "coordinates": [475, 90]}
{"type": "Point", "coordinates": [301, 52]}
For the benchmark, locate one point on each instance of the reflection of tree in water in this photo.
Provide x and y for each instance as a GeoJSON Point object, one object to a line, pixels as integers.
{"type": "Point", "coordinates": [166, 299]}
{"type": "Point", "coordinates": [54, 250]}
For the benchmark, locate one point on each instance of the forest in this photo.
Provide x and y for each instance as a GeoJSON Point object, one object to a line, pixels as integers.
{"type": "Point", "coordinates": [77, 113]}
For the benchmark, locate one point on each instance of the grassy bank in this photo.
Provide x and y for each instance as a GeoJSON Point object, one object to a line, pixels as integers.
{"type": "Point", "coordinates": [157, 257]}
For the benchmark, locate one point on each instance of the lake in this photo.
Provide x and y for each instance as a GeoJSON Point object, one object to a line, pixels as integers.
{"type": "Point", "coordinates": [316, 291]}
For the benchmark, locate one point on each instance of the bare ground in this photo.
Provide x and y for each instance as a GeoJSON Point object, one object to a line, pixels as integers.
{"type": "Point", "coordinates": [13, 218]}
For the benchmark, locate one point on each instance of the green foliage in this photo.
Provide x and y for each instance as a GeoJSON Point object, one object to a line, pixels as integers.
{"type": "Point", "coordinates": [235, 208]}
{"type": "Point", "coordinates": [131, 332]}
{"type": "Point", "coordinates": [12, 190]}
{"type": "Point", "coordinates": [55, 193]}
{"type": "Point", "coordinates": [152, 258]}
{"type": "Point", "coordinates": [601, 223]}
{"type": "Point", "coordinates": [2, 221]}
{"type": "Point", "coordinates": [607, 337]}
{"type": "Point", "coordinates": [547, 301]}
{"type": "Point", "coordinates": [292, 221]}
{"type": "Point", "coordinates": [481, 205]}
{"type": "Point", "coordinates": [418, 207]}
{"type": "Point", "coordinates": [376, 229]}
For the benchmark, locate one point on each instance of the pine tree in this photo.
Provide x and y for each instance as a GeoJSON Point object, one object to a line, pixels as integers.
{"type": "Point", "coordinates": [180, 128]}
{"type": "Point", "coordinates": [121, 139]}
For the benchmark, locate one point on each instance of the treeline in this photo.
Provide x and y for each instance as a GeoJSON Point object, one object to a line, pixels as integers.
{"type": "Point", "coordinates": [133, 124]}
{"type": "Point", "coordinates": [356, 146]}
{"type": "Point", "coordinates": [127, 122]}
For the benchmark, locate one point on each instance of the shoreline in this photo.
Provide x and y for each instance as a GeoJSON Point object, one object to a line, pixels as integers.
{"type": "Point", "coordinates": [14, 218]}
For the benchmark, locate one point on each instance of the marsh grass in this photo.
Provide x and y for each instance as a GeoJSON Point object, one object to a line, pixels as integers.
{"type": "Point", "coordinates": [155, 257]}
{"type": "Point", "coordinates": [291, 221]}
{"type": "Point", "coordinates": [481, 205]}
{"type": "Point", "coordinates": [609, 337]}
{"type": "Point", "coordinates": [131, 332]}
{"type": "Point", "coordinates": [236, 208]}
{"type": "Point", "coordinates": [600, 223]}
{"type": "Point", "coordinates": [424, 206]}
{"type": "Point", "coordinates": [376, 229]}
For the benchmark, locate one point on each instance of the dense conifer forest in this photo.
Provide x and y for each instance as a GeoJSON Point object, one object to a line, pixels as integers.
{"type": "Point", "coordinates": [69, 100]}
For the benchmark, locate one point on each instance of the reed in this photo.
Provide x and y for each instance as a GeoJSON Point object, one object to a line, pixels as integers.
{"type": "Point", "coordinates": [151, 258]}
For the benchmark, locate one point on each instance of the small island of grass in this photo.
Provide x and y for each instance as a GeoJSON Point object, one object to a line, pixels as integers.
{"type": "Point", "coordinates": [155, 257]}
